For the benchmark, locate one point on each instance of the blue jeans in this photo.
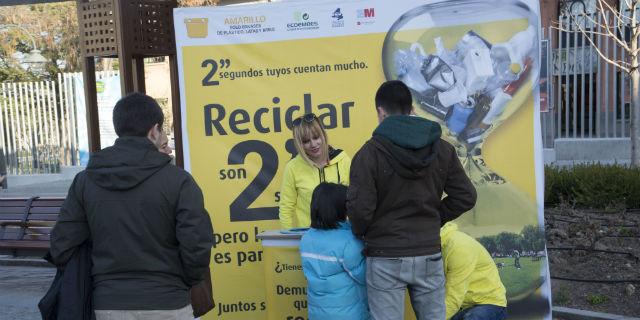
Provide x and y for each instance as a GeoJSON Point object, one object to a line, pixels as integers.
{"type": "Point", "coordinates": [482, 312]}
{"type": "Point", "coordinates": [388, 278]}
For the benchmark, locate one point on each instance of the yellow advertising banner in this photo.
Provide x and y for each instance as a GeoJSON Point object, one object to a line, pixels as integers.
{"type": "Point", "coordinates": [247, 72]}
{"type": "Point", "coordinates": [240, 139]}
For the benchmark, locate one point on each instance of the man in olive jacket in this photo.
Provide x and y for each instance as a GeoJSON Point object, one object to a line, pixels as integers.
{"type": "Point", "coordinates": [151, 234]}
{"type": "Point", "coordinates": [395, 205]}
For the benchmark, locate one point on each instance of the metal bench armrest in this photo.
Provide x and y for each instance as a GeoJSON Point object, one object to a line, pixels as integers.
{"type": "Point", "coordinates": [14, 223]}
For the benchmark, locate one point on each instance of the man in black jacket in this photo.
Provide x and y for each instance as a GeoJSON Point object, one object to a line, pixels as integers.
{"type": "Point", "coordinates": [395, 204]}
{"type": "Point", "coordinates": [151, 235]}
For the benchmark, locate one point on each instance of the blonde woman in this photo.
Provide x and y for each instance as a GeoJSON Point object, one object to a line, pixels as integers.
{"type": "Point", "coordinates": [316, 162]}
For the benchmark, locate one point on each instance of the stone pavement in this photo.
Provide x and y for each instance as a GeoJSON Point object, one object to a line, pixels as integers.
{"type": "Point", "coordinates": [21, 288]}
{"type": "Point", "coordinates": [57, 188]}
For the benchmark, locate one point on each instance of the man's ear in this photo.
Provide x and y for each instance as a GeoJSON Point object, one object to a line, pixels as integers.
{"type": "Point", "coordinates": [381, 114]}
{"type": "Point", "coordinates": [154, 134]}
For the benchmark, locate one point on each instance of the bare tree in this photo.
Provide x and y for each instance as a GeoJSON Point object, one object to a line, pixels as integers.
{"type": "Point", "coordinates": [614, 23]}
{"type": "Point", "coordinates": [54, 28]}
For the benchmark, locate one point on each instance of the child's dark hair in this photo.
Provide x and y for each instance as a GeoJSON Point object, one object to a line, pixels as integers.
{"type": "Point", "coordinates": [394, 97]}
{"type": "Point", "coordinates": [328, 205]}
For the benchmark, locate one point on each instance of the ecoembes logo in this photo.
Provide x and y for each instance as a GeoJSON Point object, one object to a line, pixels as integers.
{"type": "Point", "coordinates": [302, 21]}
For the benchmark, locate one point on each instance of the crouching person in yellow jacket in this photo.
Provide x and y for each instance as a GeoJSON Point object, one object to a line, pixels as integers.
{"type": "Point", "coordinates": [473, 287]}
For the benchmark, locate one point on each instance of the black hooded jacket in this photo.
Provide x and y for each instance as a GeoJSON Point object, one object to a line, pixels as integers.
{"type": "Point", "coordinates": [397, 181]}
{"type": "Point", "coordinates": [151, 235]}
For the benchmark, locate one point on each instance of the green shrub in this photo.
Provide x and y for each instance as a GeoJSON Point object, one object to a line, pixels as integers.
{"type": "Point", "coordinates": [561, 296]}
{"type": "Point", "coordinates": [593, 186]}
{"type": "Point", "coordinates": [596, 299]}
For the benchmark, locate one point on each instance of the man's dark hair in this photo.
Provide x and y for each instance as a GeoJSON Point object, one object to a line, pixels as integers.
{"type": "Point", "coordinates": [135, 114]}
{"type": "Point", "coordinates": [394, 97]}
{"type": "Point", "coordinates": [328, 205]}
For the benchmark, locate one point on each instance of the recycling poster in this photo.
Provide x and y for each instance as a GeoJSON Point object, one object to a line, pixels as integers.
{"type": "Point", "coordinates": [246, 72]}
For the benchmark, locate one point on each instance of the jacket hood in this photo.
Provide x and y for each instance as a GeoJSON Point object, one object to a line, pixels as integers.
{"type": "Point", "coordinates": [447, 230]}
{"type": "Point", "coordinates": [410, 132]}
{"type": "Point", "coordinates": [336, 155]}
{"type": "Point", "coordinates": [126, 164]}
{"type": "Point", "coordinates": [408, 143]}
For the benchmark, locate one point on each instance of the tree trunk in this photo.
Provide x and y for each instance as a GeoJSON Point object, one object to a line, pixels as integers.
{"type": "Point", "coordinates": [635, 117]}
{"type": "Point", "coordinates": [635, 86]}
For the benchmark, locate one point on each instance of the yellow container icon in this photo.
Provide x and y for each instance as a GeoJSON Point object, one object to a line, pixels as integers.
{"type": "Point", "coordinates": [197, 27]}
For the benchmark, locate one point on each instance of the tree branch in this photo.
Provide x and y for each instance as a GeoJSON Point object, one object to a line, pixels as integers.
{"type": "Point", "coordinates": [620, 19]}
{"type": "Point", "coordinates": [586, 33]}
{"type": "Point", "coordinates": [609, 8]}
{"type": "Point", "coordinates": [594, 22]}
{"type": "Point", "coordinates": [628, 3]}
{"type": "Point", "coordinates": [608, 28]}
{"type": "Point", "coordinates": [634, 7]}
{"type": "Point", "coordinates": [558, 26]}
{"type": "Point", "coordinates": [620, 64]}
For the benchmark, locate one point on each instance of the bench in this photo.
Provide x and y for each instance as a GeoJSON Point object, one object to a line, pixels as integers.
{"type": "Point", "coordinates": [26, 223]}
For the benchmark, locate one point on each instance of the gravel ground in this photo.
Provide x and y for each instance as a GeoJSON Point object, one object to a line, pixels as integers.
{"type": "Point", "coordinates": [21, 289]}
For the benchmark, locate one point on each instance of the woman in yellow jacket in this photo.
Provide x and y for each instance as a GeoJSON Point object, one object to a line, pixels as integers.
{"type": "Point", "coordinates": [473, 286]}
{"type": "Point", "coordinates": [316, 162]}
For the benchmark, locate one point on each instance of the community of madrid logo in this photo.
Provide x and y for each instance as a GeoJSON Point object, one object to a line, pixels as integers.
{"type": "Point", "coordinates": [365, 16]}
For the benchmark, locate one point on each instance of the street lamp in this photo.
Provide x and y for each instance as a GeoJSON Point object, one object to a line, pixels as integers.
{"type": "Point", "coordinates": [34, 59]}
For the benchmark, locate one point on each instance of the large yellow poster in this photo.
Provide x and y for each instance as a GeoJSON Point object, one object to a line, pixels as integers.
{"type": "Point", "coordinates": [240, 138]}
{"type": "Point", "coordinates": [247, 72]}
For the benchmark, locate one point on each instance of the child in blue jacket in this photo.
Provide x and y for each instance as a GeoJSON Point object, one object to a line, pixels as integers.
{"type": "Point", "coordinates": [332, 259]}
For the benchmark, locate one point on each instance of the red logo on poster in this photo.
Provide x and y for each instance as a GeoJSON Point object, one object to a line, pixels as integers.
{"type": "Point", "coordinates": [369, 13]}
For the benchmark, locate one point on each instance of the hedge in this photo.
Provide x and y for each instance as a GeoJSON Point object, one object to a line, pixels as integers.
{"type": "Point", "coordinates": [593, 186]}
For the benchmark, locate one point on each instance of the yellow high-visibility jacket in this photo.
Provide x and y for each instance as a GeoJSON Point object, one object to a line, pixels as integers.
{"type": "Point", "coordinates": [299, 181]}
{"type": "Point", "coordinates": [471, 274]}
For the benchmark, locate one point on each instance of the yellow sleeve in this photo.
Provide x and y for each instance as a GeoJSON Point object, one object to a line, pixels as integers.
{"type": "Point", "coordinates": [288, 197]}
{"type": "Point", "coordinates": [345, 170]}
{"type": "Point", "coordinates": [460, 263]}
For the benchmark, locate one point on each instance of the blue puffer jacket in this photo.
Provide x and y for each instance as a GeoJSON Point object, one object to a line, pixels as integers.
{"type": "Point", "coordinates": [335, 270]}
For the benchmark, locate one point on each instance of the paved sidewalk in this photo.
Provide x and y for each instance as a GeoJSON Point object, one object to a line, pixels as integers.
{"type": "Point", "coordinates": [57, 188]}
{"type": "Point", "coordinates": [21, 288]}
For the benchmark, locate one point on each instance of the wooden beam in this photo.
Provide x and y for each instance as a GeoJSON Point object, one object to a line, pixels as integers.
{"type": "Point", "coordinates": [91, 101]}
{"type": "Point", "coordinates": [177, 110]}
{"type": "Point", "coordinates": [138, 75]}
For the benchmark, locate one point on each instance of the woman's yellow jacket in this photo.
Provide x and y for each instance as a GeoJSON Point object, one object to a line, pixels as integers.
{"type": "Point", "coordinates": [299, 181]}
